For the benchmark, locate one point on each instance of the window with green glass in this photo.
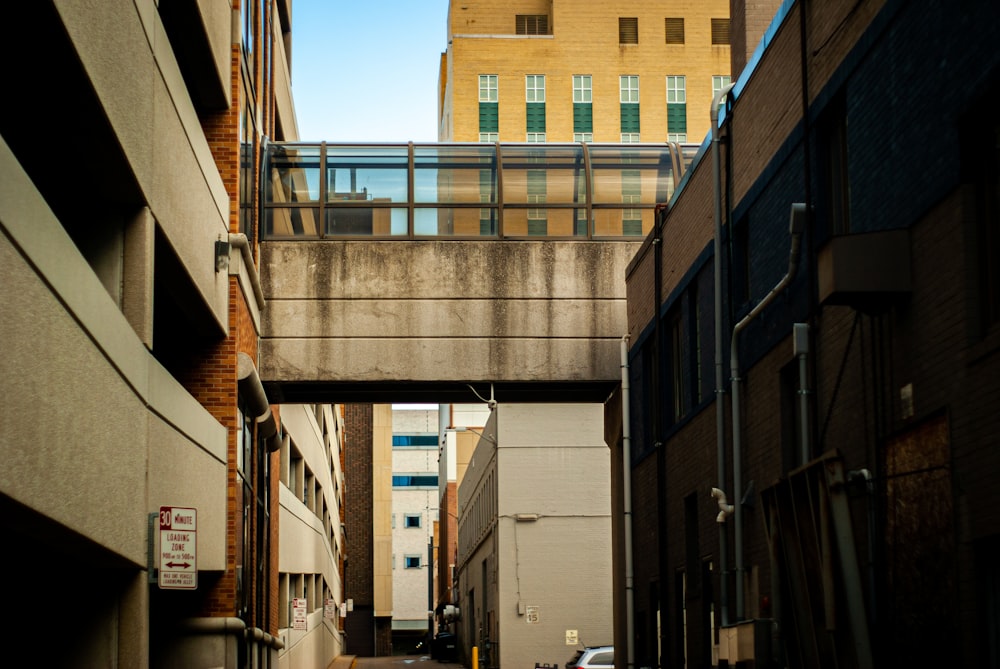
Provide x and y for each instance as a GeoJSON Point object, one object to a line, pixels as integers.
{"type": "Point", "coordinates": [676, 108]}
{"type": "Point", "coordinates": [535, 117]}
{"type": "Point", "coordinates": [631, 194]}
{"type": "Point", "coordinates": [629, 96]}
{"type": "Point", "coordinates": [537, 224]}
{"type": "Point", "coordinates": [489, 117]}
{"type": "Point", "coordinates": [583, 117]}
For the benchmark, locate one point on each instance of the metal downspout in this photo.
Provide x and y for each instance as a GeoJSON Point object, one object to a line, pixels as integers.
{"type": "Point", "coordinates": [627, 493]}
{"type": "Point", "coordinates": [720, 379]}
{"type": "Point", "coordinates": [796, 226]}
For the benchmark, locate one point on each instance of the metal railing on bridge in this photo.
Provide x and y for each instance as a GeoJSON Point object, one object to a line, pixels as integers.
{"type": "Point", "coordinates": [467, 191]}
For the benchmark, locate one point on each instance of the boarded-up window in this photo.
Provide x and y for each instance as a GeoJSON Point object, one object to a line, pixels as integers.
{"type": "Point", "coordinates": [532, 24]}
{"type": "Point", "coordinates": [628, 30]}
{"type": "Point", "coordinates": [674, 30]}
{"type": "Point", "coordinates": [720, 31]}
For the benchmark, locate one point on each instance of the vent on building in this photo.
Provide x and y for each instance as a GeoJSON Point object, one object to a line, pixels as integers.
{"type": "Point", "coordinates": [674, 30]}
{"type": "Point", "coordinates": [628, 30]}
{"type": "Point", "coordinates": [720, 31]}
{"type": "Point", "coordinates": [532, 24]}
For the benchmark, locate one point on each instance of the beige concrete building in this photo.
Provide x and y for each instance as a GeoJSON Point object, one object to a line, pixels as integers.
{"type": "Point", "coordinates": [564, 71]}
{"type": "Point", "coordinates": [312, 541]}
{"type": "Point", "coordinates": [132, 316]}
{"type": "Point", "coordinates": [534, 536]}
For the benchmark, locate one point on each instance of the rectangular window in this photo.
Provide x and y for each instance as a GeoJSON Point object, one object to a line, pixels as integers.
{"type": "Point", "coordinates": [411, 562]}
{"type": "Point", "coordinates": [488, 88]}
{"type": "Point", "coordinates": [629, 95]}
{"type": "Point", "coordinates": [694, 317]}
{"type": "Point", "coordinates": [489, 117]}
{"type": "Point", "coordinates": [674, 28]}
{"type": "Point", "coordinates": [583, 109]}
{"type": "Point", "coordinates": [677, 366]}
{"type": "Point", "coordinates": [676, 108]}
{"type": "Point", "coordinates": [486, 223]}
{"type": "Point", "coordinates": [531, 24]}
{"type": "Point", "coordinates": [720, 31]}
{"type": "Point", "coordinates": [720, 81]}
{"type": "Point", "coordinates": [411, 520]}
{"type": "Point", "coordinates": [630, 138]}
{"type": "Point", "coordinates": [535, 138]}
{"type": "Point", "coordinates": [534, 86]}
{"type": "Point", "coordinates": [421, 440]}
{"type": "Point", "coordinates": [676, 89]}
{"type": "Point", "coordinates": [628, 30]}
{"type": "Point", "coordinates": [537, 224]}
{"type": "Point", "coordinates": [628, 85]}
{"type": "Point", "coordinates": [414, 480]}
{"type": "Point", "coordinates": [631, 194]}
{"type": "Point", "coordinates": [834, 194]}
{"type": "Point", "coordinates": [489, 137]}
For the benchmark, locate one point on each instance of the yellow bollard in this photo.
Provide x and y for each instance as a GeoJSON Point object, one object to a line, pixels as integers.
{"type": "Point", "coordinates": [475, 657]}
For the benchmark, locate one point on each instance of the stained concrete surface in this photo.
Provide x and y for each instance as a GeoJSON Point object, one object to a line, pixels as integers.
{"type": "Point", "coordinates": [392, 662]}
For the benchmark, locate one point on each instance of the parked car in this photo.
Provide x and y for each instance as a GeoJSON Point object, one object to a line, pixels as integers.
{"type": "Point", "coordinates": [593, 657]}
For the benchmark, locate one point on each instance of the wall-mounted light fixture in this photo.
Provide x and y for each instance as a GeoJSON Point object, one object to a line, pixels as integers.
{"type": "Point", "coordinates": [221, 255]}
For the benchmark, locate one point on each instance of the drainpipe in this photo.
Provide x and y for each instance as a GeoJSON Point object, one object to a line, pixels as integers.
{"type": "Point", "coordinates": [796, 225]}
{"type": "Point", "coordinates": [627, 492]}
{"type": "Point", "coordinates": [240, 241]}
{"type": "Point", "coordinates": [720, 381]}
{"type": "Point", "coordinates": [800, 348]}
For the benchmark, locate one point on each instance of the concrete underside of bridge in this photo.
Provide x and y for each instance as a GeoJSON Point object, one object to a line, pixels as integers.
{"type": "Point", "coordinates": [399, 321]}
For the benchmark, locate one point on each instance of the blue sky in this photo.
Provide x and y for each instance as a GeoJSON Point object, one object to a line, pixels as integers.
{"type": "Point", "coordinates": [367, 71]}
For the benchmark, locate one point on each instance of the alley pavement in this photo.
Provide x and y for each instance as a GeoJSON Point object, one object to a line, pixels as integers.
{"type": "Point", "coordinates": [392, 662]}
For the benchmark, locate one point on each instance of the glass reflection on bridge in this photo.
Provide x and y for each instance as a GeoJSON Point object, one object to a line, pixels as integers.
{"type": "Point", "coordinates": [468, 191]}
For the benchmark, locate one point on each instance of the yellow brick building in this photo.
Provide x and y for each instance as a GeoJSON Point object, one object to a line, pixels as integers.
{"type": "Point", "coordinates": [582, 70]}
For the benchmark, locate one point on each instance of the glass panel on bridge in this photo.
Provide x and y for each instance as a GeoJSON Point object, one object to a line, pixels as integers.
{"type": "Point", "coordinates": [367, 174]}
{"type": "Point", "coordinates": [468, 191]}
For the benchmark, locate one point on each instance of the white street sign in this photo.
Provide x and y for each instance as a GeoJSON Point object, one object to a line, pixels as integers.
{"type": "Point", "coordinates": [178, 548]}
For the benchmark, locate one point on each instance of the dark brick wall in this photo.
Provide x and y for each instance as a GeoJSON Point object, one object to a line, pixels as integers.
{"type": "Point", "coordinates": [359, 582]}
{"type": "Point", "coordinates": [909, 73]}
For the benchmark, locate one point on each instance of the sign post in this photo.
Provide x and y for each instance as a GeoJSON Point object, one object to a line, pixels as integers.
{"type": "Point", "coordinates": [178, 548]}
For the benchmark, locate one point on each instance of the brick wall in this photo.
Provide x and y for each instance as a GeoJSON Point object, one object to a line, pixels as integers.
{"type": "Point", "coordinates": [584, 41]}
{"type": "Point", "coordinates": [861, 359]}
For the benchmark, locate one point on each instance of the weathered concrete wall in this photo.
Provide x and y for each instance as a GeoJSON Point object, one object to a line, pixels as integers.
{"type": "Point", "coordinates": [440, 311]}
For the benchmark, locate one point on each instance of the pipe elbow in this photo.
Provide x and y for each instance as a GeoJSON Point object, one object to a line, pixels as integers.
{"type": "Point", "coordinates": [725, 509]}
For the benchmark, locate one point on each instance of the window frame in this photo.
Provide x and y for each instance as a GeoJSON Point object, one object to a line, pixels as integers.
{"type": "Point", "coordinates": [583, 88]}
{"type": "Point", "coordinates": [533, 92]}
{"type": "Point", "coordinates": [625, 89]}
{"type": "Point", "coordinates": [490, 85]}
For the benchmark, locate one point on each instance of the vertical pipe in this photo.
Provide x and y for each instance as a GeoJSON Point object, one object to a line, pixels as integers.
{"type": "Point", "coordinates": [627, 494]}
{"type": "Point", "coordinates": [800, 341]}
{"type": "Point", "coordinates": [796, 225]}
{"type": "Point", "coordinates": [663, 563]}
{"type": "Point", "coordinates": [720, 390]}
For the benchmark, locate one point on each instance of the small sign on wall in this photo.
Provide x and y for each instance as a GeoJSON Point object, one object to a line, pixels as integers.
{"type": "Point", "coordinates": [531, 615]}
{"type": "Point", "coordinates": [572, 638]}
{"type": "Point", "coordinates": [329, 608]}
{"type": "Point", "coordinates": [299, 619]}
